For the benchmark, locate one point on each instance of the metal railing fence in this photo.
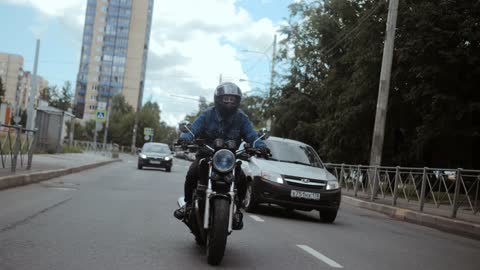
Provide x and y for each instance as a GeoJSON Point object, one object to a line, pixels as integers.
{"type": "Point", "coordinates": [451, 188]}
{"type": "Point", "coordinates": [16, 146]}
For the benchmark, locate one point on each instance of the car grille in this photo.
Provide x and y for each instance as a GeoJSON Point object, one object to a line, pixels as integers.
{"type": "Point", "coordinates": [305, 182]}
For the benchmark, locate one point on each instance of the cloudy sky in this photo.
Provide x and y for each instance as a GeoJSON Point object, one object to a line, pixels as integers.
{"type": "Point", "coordinates": [192, 43]}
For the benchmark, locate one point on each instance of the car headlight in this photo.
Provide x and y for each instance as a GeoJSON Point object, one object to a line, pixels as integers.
{"type": "Point", "coordinates": [143, 156]}
{"type": "Point", "coordinates": [332, 185]}
{"type": "Point", "coordinates": [271, 176]}
{"type": "Point", "coordinates": [223, 160]}
{"type": "Point", "coordinates": [167, 158]}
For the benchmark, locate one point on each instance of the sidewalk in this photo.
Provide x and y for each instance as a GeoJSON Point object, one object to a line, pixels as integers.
{"type": "Point", "coordinates": [467, 223]}
{"type": "Point", "coordinates": [47, 166]}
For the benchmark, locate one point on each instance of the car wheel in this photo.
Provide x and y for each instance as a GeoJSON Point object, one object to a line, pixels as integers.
{"type": "Point", "coordinates": [139, 166]}
{"type": "Point", "coordinates": [250, 201]}
{"type": "Point", "coordinates": [168, 169]}
{"type": "Point", "coordinates": [328, 216]}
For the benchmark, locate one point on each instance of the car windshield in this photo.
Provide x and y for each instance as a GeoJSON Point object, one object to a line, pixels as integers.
{"type": "Point", "coordinates": [294, 153]}
{"type": "Point", "coordinates": [163, 149]}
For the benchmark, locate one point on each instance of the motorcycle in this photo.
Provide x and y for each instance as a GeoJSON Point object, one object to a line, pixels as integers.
{"type": "Point", "coordinates": [215, 199]}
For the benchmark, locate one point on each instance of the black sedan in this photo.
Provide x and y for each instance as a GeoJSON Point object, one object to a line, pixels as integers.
{"type": "Point", "coordinates": [294, 177]}
{"type": "Point", "coordinates": [156, 155]}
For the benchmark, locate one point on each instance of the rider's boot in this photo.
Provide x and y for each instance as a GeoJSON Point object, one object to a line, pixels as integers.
{"type": "Point", "coordinates": [237, 222]}
{"type": "Point", "coordinates": [180, 212]}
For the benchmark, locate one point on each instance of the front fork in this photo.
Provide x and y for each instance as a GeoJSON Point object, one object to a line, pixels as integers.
{"type": "Point", "coordinates": [210, 194]}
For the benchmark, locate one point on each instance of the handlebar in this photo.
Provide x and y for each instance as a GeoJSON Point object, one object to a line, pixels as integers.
{"type": "Point", "coordinates": [248, 150]}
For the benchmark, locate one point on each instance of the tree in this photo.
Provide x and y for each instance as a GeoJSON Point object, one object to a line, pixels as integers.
{"type": "Point", "coordinates": [62, 100]}
{"type": "Point", "coordinates": [121, 121]}
{"type": "Point", "coordinates": [328, 94]}
{"type": "Point", "coordinates": [254, 107]}
{"type": "Point", "coordinates": [45, 93]}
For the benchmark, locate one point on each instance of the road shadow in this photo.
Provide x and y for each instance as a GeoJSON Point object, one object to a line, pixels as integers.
{"type": "Point", "coordinates": [153, 169]}
{"type": "Point", "coordinates": [280, 212]}
{"type": "Point", "coordinates": [297, 215]}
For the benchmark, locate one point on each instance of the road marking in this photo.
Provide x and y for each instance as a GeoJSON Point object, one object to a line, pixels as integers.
{"type": "Point", "coordinates": [257, 218]}
{"type": "Point", "coordinates": [320, 256]}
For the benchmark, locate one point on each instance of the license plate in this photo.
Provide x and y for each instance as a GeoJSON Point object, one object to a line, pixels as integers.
{"type": "Point", "coordinates": [305, 195]}
{"type": "Point", "coordinates": [154, 162]}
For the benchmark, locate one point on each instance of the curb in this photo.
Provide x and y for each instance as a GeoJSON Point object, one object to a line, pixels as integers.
{"type": "Point", "coordinates": [26, 179]}
{"type": "Point", "coordinates": [455, 226]}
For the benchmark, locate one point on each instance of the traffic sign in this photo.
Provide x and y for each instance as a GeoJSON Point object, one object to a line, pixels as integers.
{"type": "Point", "coordinates": [100, 115]}
{"type": "Point", "coordinates": [147, 137]}
{"type": "Point", "coordinates": [102, 105]}
{"type": "Point", "coordinates": [148, 131]}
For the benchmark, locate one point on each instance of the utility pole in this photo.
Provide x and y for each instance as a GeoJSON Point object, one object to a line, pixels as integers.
{"type": "Point", "coordinates": [33, 91]}
{"type": "Point", "coordinates": [106, 125]}
{"type": "Point", "coordinates": [220, 79]}
{"type": "Point", "coordinates": [272, 75]}
{"type": "Point", "coordinates": [135, 125]}
{"type": "Point", "coordinates": [383, 89]}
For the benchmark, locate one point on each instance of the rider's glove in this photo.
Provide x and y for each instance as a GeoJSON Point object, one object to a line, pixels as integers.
{"type": "Point", "coordinates": [182, 142]}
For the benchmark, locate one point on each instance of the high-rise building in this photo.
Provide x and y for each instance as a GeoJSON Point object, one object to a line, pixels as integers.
{"type": "Point", "coordinates": [11, 72]}
{"type": "Point", "coordinates": [114, 53]}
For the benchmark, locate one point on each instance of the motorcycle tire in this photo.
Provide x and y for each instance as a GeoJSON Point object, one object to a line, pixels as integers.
{"type": "Point", "coordinates": [218, 231]}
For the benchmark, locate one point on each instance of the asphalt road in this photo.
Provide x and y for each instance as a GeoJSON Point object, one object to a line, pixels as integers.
{"type": "Point", "coordinates": [118, 217]}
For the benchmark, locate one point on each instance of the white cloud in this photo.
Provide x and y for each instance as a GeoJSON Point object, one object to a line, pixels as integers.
{"type": "Point", "coordinates": [191, 43]}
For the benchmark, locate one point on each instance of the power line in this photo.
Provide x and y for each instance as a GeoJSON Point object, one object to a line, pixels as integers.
{"type": "Point", "coordinates": [347, 35]}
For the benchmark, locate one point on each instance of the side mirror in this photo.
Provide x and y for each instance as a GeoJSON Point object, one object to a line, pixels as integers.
{"type": "Point", "coordinates": [173, 153]}
{"type": "Point", "coordinates": [185, 127]}
{"type": "Point", "coordinates": [263, 133]}
{"type": "Point", "coordinates": [139, 150]}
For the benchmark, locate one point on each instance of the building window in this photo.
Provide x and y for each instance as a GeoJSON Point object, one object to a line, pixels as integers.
{"type": "Point", "coordinates": [104, 9]}
{"type": "Point", "coordinates": [99, 38]}
{"type": "Point", "coordinates": [97, 58]}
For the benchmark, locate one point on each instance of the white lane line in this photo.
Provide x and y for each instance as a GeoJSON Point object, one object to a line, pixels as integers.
{"type": "Point", "coordinates": [257, 218]}
{"type": "Point", "coordinates": [320, 256]}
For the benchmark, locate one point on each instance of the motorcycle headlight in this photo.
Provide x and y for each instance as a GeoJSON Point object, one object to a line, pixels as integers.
{"type": "Point", "coordinates": [143, 156]}
{"type": "Point", "coordinates": [223, 160]}
{"type": "Point", "coordinates": [167, 158]}
{"type": "Point", "coordinates": [332, 185]}
{"type": "Point", "coordinates": [271, 176]}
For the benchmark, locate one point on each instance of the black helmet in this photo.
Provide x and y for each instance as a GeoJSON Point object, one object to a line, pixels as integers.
{"type": "Point", "coordinates": [227, 89]}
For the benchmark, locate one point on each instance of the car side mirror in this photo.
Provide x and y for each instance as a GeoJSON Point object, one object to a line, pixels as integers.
{"type": "Point", "coordinates": [139, 151]}
{"type": "Point", "coordinates": [173, 153]}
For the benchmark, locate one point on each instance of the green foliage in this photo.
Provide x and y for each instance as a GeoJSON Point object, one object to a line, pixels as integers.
{"type": "Point", "coordinates": [122, 120]}
{"type": "Point", "coordinates": [334, 51]}
{"type": "Point", "coordinates": [62, 99]}
{"type": "Point", "coordinates": [254, 107]}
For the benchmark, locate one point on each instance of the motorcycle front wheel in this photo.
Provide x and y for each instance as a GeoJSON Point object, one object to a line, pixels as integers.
{"type": "Point", "coordinates": [218, 231]}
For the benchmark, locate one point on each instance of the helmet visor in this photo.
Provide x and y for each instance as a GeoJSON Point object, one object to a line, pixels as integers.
{"type": "Point", "coordinates": [228, 89]}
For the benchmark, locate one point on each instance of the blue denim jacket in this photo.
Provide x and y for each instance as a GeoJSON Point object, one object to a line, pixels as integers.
{"type": "Point", "coordinates": [210, 126]}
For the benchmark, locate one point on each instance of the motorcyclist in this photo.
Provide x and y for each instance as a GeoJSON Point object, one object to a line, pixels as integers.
{"type": "Point", "coordinates": [225, 121]}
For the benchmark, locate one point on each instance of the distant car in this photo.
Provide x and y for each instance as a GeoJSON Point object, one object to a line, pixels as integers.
{"type": "Point", "coordinates": [156, 155]}
{"type": "Point", "coordinates": [294, 178]}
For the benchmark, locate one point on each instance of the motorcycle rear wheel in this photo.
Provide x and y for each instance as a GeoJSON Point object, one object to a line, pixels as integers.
{"type": "Point", "coordinates": [218, 232]}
